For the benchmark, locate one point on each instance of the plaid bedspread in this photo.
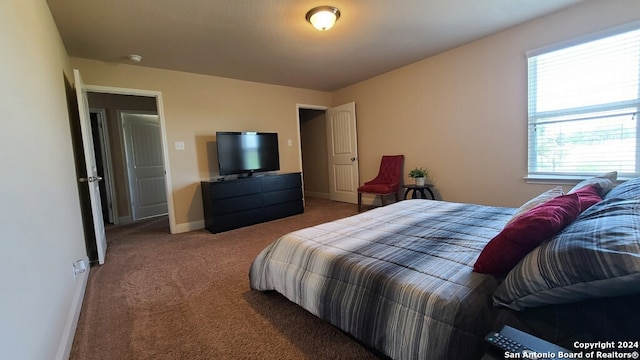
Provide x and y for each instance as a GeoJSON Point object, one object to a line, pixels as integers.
{"type": "Point", "coordinates": [398, 278]}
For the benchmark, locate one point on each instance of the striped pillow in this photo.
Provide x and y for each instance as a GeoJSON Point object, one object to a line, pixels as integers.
{"type": "Point", "coordinates": [629, 189]}
{"type": "Point", "coordinates": [598, 255]}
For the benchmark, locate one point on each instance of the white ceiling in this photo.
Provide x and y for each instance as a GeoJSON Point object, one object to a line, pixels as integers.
{"type": "Point", "coordinates": [269, 41]}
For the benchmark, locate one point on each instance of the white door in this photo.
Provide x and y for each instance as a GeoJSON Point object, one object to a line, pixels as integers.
{"type": "Point", "coordinates": [145, 164]}
{"type": "Point", "coordinates": [342, 144]}
{"type": "Point", "coordinates": [92, 171]}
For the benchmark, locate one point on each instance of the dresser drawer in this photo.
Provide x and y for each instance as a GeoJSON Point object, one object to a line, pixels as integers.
{"type": "Point", "coordinates": [233, 188]}
{"type": "Point", "coordinates": [276, 197]}
{"type": "Point", "coordinates": [280, 182]}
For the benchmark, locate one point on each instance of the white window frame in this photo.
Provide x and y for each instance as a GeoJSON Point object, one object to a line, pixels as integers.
{"type": "Point", "coordinates": [532, 116]}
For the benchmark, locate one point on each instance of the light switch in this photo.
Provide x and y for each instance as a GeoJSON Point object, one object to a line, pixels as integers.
{"type": "Point", "coordinates": [289, 142]}
{"type": "Point", "coordinates": [179, 145]}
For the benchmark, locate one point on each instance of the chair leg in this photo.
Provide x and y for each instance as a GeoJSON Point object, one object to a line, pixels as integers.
{"type": "Point", "coordinates": [397, 197]}
{"type": "Point", "coordinates": [382, 200]}
{"type": "Point", "coordinates": [359, 201]}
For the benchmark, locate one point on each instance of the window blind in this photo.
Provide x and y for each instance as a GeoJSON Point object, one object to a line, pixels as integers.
{"type": "Point", "coordinates": [583, 106]}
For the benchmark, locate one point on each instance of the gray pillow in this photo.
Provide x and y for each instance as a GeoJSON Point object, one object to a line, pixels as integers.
{"type": "Point", "coordinates": [606, 181]}
{"type": "Point", "coordinates": [598, 255]}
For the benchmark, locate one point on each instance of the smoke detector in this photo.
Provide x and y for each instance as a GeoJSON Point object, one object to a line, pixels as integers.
{"type": "Point", "coordinates": [135, 58]}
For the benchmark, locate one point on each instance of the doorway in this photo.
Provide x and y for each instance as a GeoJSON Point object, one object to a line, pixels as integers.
{"type": "Point", "coordinates": [329, 151]}
{"type": "Point", "coordinates": [313, 147]}
{"type": "Point", "coordinates": [111, 105]}
{"type": "Point", "coordinates": [129, 97]}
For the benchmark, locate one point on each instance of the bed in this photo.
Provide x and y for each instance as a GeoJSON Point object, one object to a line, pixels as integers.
{"type": "Point", "coordinates": [400, 279]}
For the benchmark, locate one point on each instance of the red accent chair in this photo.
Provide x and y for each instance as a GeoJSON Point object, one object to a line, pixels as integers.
{"type": "Point", "coordinates": [388, 180]}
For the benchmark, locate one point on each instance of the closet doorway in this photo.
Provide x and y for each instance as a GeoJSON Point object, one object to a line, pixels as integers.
{"type": "Point", "coordinates": [329, 151]}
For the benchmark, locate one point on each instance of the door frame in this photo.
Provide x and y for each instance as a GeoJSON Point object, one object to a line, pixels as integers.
{"type": "Point", "coordinates": [163, 128]}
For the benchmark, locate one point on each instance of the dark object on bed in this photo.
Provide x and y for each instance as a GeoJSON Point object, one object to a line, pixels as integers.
{"type": "Point", "coordinates": [400, 278]}
{"type": "Point", "coordinates": [516, 341]}
{"type": "Point", "coordinates": [387, 182]}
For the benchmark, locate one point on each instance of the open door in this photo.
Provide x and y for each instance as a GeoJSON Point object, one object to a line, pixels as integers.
{"type": "Point", "coordinates": [342, 145]}
{"type": "Point", "coordinates": [145, 164]}
{"type": "Point", "coordinates": [92, 170]}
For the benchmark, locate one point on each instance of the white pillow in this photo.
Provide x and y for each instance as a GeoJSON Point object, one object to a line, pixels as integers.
{"type": "Point", "coordinates": [606, 181]}
{"type": "Point", "coordinates": [540, 199]}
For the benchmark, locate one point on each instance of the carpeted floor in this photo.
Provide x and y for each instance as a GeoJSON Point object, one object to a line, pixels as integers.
{"type": "Point", "coordinates": [187, 296]}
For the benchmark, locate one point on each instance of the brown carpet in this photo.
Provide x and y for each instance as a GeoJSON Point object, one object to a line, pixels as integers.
{"type": "Point", "coordinates": [187, 296]}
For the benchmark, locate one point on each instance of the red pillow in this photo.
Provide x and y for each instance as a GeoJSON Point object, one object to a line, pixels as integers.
{"type": "Point", "coordinates": [526, 232]}
{"type": "Point", "coordinates": [588, 196]}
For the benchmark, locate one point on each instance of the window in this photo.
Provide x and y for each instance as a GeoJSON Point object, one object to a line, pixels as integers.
{"type": "Point", "coordinates": [583, 106]}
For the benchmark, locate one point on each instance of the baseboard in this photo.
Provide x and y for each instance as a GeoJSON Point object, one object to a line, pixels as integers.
{"type": "Point", "coordinates": [69, 330]}
{"type": "Point", "coordinates": [186, 227]}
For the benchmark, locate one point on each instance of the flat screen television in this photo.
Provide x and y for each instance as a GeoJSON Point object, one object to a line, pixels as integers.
{"type": "Point", "coordinates": [247, 152]}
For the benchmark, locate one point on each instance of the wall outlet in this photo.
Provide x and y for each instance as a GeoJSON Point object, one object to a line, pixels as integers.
{"type": "Point", "coordinates": [179, 145]}
{"type": "Point", "coordinates": [79, 266]}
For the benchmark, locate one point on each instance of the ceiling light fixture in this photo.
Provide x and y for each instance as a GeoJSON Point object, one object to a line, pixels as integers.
{"type": "Point", "coordinates": [323, 17]}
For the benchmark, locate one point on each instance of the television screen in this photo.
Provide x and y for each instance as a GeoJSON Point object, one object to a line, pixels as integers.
{"type": "Point", "coordinates": [247, 152]}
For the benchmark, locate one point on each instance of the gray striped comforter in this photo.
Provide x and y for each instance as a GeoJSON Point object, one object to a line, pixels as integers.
{"type": "Point", "coordinates": [398, 278]}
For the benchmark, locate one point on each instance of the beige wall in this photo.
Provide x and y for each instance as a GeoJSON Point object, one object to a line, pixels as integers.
{"type": "Point", "coordinates": [40, 219]}
{"type": "Point", "coordinates": [195, 107]}
{"type": "Point", "coordinates": [463, 113]}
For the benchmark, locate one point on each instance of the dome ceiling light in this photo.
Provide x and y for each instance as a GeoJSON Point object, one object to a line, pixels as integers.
{"type": "Point", "coordinates": [323, 17]}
